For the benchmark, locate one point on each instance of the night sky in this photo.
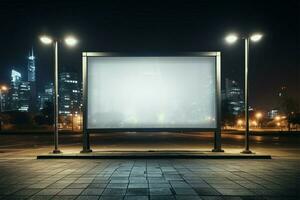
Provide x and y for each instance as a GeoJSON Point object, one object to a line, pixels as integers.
{"type": "Point", "coordinates": [160, 26]}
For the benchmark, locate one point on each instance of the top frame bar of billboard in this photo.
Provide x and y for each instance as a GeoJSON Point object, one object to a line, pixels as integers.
{"type": "Point", "coordinates": [133, 54]}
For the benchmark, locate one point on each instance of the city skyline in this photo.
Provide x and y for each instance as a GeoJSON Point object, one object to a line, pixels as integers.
{"type": "Point", "coordinates": [21, 90]}
{"type": "Point", "coordinates": [40, 86]}
{"type": "Point", "coordinates": [157, 28]}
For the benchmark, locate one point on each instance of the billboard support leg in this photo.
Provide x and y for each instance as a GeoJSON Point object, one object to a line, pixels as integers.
{"type": "Point", "coordinates": [86, 135]}
{"type": "Point", "coordinates": [217, 142]}
{"type": "Point", "coordinates": [86, 143]}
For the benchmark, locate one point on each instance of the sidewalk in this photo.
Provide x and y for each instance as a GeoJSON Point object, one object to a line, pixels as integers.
{"type": "Point", "coordinates": [154, 154]}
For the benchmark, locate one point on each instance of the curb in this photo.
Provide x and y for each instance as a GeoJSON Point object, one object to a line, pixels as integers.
{"type": "Point", "coordinates": [158, 155]}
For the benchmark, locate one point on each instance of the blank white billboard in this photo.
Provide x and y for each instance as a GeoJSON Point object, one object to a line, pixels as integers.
{"type": "Point", "coordinates": [151, 92]}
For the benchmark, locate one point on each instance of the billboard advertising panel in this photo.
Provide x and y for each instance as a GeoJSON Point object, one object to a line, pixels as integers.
{"type": "Point", "coordinates": [159, 92]}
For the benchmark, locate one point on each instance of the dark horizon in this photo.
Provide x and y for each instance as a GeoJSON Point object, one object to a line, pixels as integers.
{"type": "Point", "coordinates": [155, 27]}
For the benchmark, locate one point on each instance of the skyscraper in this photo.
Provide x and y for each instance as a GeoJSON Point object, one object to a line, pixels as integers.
{"type": "Point", "coordinates": [31, 67]}
{"type": "Point", "coordinates": [14, 90]}
{"type": "Point", "coordinates": [31, 77]}
{"type": "Point", "coordinates": [235, 96]}
{"type": "Point", "coordinates": [45, 96]}
{"type": "Point", "coordinates": [24, 93]}
{"type": "Point", "coordinates": [69, 93]}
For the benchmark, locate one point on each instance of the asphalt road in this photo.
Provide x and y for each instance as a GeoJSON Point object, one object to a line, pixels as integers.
{"type": "Point", "coordinates": [148, 141]}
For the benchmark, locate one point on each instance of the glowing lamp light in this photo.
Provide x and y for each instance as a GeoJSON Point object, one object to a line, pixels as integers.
{"type": "Point", "coordinates": [4, 88]}
{"type": "Point", "coordinates": [256, 37]}
{"type": "Point", "coordinates": [46, 40]}
{"type": "Point", "coordinates": [232, 38]}
{"type": "Point", "coordinates": [254, 123]}
{"type": "Point", "coordinates": [240, 122]}
{"type": "Point", "coordinates": [258, 115]}
{"type": "Point", "coordinates": [71, 41]}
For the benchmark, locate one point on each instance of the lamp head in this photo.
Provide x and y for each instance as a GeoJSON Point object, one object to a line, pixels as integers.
{"type": "Point", "coordinates": [256, 37]}
{"type": "Point", "coordinates": [71, 41]}
{"type": "Point", "coordinates": [231, 38]}
{"type": "Point", "coordinates": [46, 40]}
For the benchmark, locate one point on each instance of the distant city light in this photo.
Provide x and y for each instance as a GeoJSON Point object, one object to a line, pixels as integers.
{"type": "Point", "coordinates": [277, 118]}
{"type": "Point", "coordinates": [256, 37]}
{"type": "Point", "coordinates": [71, 41]}
{"type": "Point", "coordinates": [46, 40]}
{"type": "Point", "coordinates": [258, 115]}
{"type": "Point", "coordinates": [240, 122]}
{"type": "Point", "coordinates": [254, 123]}
{"type": "Point", "coordinates": [231, 38]}
{"type": "Point", "coordinates": [4, 88]}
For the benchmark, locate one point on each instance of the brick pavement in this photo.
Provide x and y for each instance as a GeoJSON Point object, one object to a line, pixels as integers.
{"type": "Point", "coordinates": [149, 179]}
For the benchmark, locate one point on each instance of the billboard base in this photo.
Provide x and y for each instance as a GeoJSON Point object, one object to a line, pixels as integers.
{"type": "Point", "coordinates": [247, 152]}
{"type": "Point", "coordinates": [86, 151]}
{"type": "Point", "coordinates": [56, 151]}
{"type": "Point", "coordinates": [154, 155]}
{"type": "Point", "coordinates": [217, 150]}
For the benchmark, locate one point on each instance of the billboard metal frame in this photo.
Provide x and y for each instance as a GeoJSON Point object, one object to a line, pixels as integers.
{"type": "Point", "coordinates": [87, 131]}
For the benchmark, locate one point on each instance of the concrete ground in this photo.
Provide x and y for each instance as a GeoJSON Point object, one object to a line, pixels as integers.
{"type": "Point", "coordinates": [22, 176]}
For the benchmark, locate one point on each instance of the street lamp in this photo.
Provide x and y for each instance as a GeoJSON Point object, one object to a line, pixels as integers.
{"type": "Point", "coordinates": [70, 41]}
{"type": "Point", "coordinates": [3, 88]}
{"type": "Point", "coordinates": [232, 38]}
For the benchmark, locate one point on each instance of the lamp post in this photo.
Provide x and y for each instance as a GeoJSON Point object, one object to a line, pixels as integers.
{"type": "Point", "coordinates": [232, 38]}
{"type": "Point", "coordinates": [70, 41]}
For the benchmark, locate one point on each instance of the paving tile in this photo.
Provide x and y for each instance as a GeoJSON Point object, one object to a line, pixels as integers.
{"type": "Point", "coordinates": [40, 197]}
{"type": "Point", "coordinates": [64, 197]}
{"type": "Point", "coordinates": [13, 197]}
{"type": "Point", "coordinates": [187, 197]}
{"type": "Point", "coordinates": [116, 197]}
{"type": "Point", "coordinates": [235, 192]}
{"type": "Point", "coordinates": [212, 197]}
{"type": "Point", "coordinates": [27, 192]}
{"type": "Point", "coordinates": [117, 185]}
{"type": "Point", "coordinates": [184, 191]}
{"type": "Point", "coordinates": [160, 191]}
{"type": "Point", "coordinates": [38, 185]}
{"type": "Point", "coordinates": [137, 191]}
{"type": "Point", "coordinates": [94, 191]}
{"type": "Point", "coordinates": [162, 197]}
{"type": "Point", "coordinates": [114, 191]}
{"type": "Point", "coordinates": [77, 185]}
{"type": "Point", "coordinates": [48, 192]}
{"type": "Point", "coordinates": [70, 192]}
{"type": "Point", "coordinates": [159, 185]}
{"type": "Point", "coordinates": [206, 191]}
{"type": "Point", "coordinates": [137, 185]}
{"type": "Point", "coordinates": [136, 198]}
{"type": "Point", "coordinates": [97, 185]}
{"type": "Point", "coordinates": [58, 185]}
{"type": "Point", "coordinates": [87, 197]}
